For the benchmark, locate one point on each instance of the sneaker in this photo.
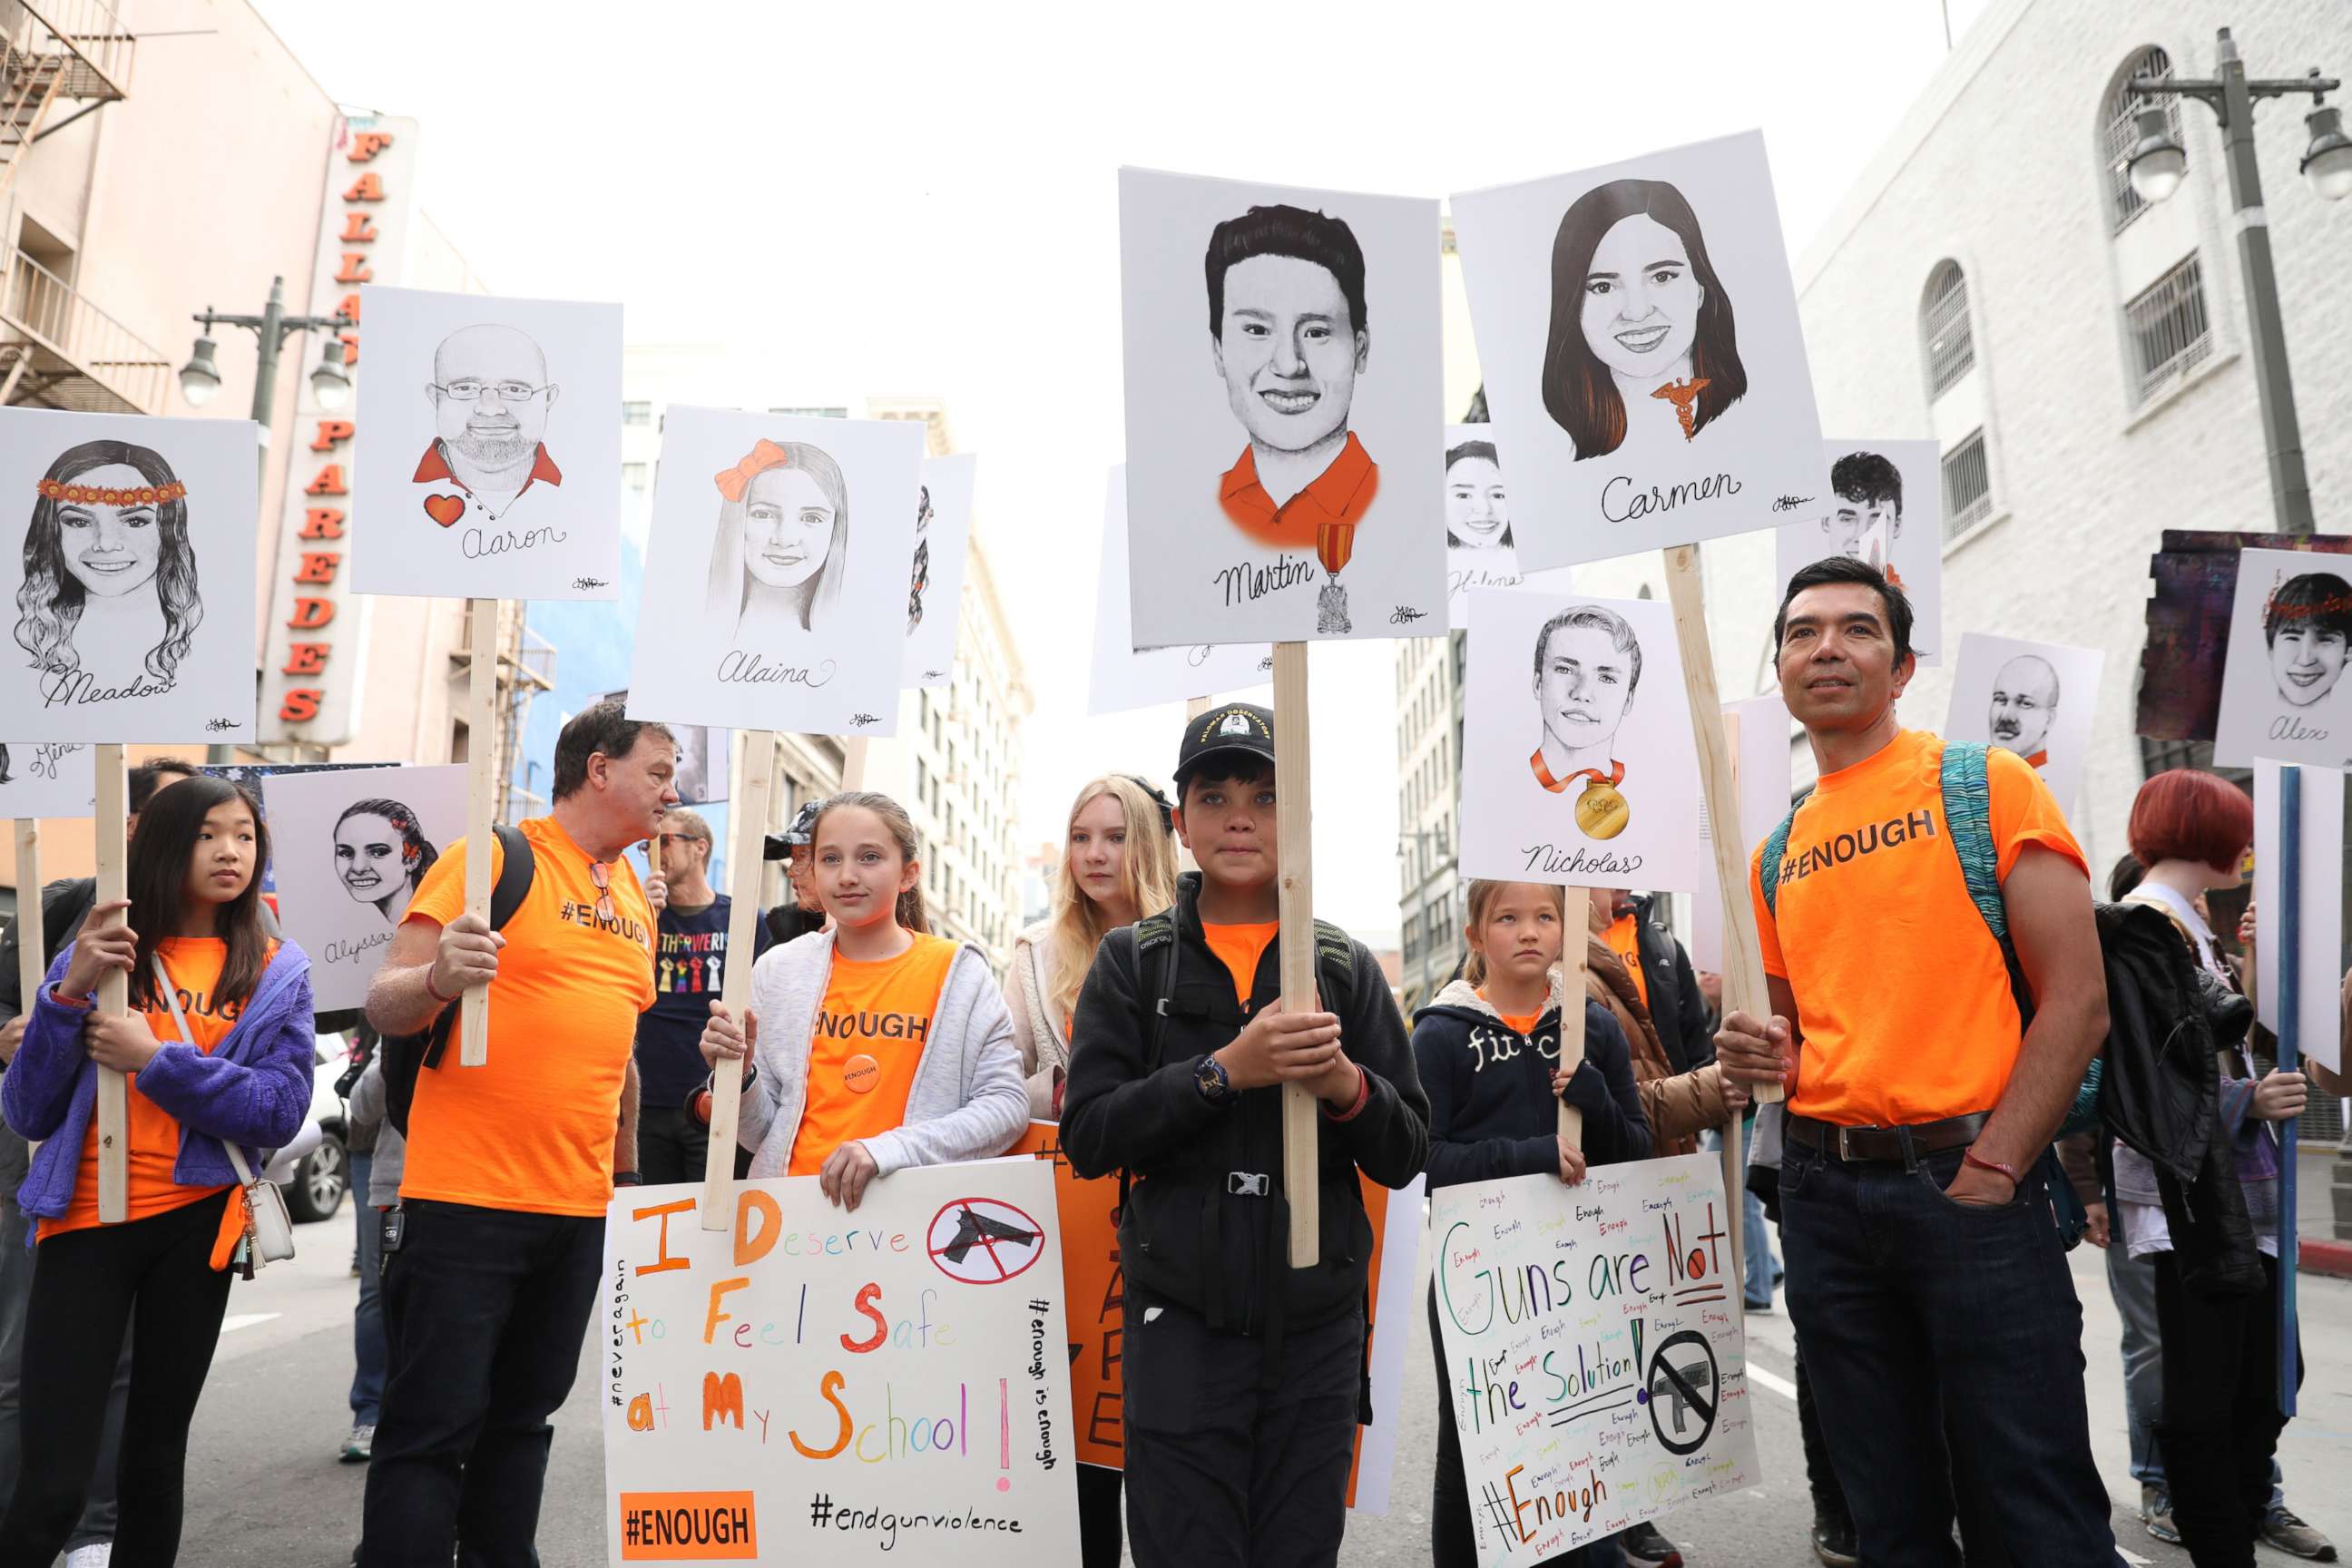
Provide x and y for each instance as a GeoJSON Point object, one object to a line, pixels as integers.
{"type": "Point", "coordinates": [1834, 1543]}
{"type": "Point", "coordinates": [2288, 1533]}
{"type": "Point", "coordinates": [360, 1444]}
{"type": "Point", "coordinates": [1646, 1548]}
{"type": "Point", "coordinates": [2156, 1512]}
{"type": "Point", "coordinates": [99, 1554]}
{"type": "Point", "coordinates": [1763, 1305]}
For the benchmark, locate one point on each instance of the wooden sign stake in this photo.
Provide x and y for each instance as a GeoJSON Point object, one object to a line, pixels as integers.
{"type": "Point", "coordinates": [853, 763]}
{"type": "Point", "coordinates": [32, 961]}
{"type": "Point", "coordinates": [2290, 1060]}
{"type": "Point", "coordinates": [1294, 851]}
{"type": "Point", "coordinates": [113, 1112]}
{"type": "Point", "coordinates": [481, 797]}
{"type": "Point", "coordinates": [748, 815]}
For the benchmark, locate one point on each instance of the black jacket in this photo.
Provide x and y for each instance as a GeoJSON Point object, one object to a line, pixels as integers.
{"type": "Point", "coordinates": [1491, 1110]}
{"type": "Point", "coordinates": [1185, 1235]}
{"type": "Point", "coordinates": [1679, 1007]}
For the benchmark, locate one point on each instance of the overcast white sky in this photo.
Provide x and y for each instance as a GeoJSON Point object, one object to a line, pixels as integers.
{"type": "Point", "coordinates": [920, 200]}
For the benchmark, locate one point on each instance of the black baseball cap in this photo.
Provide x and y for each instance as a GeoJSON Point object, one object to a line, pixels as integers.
{"type": "Point", "coordinates": [779, 846]}
{"type": "Point", "coordinates": [1243, 727]}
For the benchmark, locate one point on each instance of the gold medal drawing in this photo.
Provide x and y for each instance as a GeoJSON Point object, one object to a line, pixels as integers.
{"type": "Point", "coordinates": [1600, 811]}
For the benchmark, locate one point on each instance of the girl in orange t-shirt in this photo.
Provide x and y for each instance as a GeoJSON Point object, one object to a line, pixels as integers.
{"type": "Point", "coordinates": [243, 1073]}
{"type": "Point", "coordinates": [884, 1045]}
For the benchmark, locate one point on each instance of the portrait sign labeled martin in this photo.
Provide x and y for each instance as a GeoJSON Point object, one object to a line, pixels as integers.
{"type": "Point", "coordinates": [1644, 364]}
{"type": "Point", "coordinates": [1283, 412]}
{"type": "Point", "coordinates": [1880, 501]}
{"type": "Point", "coordinates": [2035, 699]}
{"type": "Point", "coordinates": [2283, 690]}
{"type": "Point", "coordinates": [1578, 762]}
{"type": "Point", "coordinates": [487, 463]}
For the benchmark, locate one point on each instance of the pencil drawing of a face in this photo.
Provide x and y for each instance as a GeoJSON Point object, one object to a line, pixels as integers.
{"type": "Point", "coordinates": [781, 552]}
{"type": "Point", "coordinates": [1289, 353]}
{"type": "Point", "coordinates": [110, 549]}
{"type": "Point", "coordinates": [1586, 665]}
{"type": "Point", "coordinates": [1478, 512]}
{"type": "Point", "coordinates": [2024, 701]}
{"type": "Point", "coordinates": [787, 527]}
{"type": "Point", "coordinates": [109, 527]}
{"type": "Point", "coordinates": [491, 395]}
{"type": "Point", "coordinates": [1641, 298]}
{"type": "Point", "coordinates": [382, 855]}
{"type": "Point", "coordinates": [2308, 624]}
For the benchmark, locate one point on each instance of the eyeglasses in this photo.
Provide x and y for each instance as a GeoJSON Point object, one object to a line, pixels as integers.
{"type": "Point", "coordinates": [602, 875]}
{"type": "Point", "coordinates": [506, 391]}
{"type": "Point", "coordinates": [665, 840]}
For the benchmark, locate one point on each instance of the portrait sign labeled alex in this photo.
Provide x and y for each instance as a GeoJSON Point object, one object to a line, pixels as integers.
{"type": "Point", "coordinates": [2319, 934]}
{"type": "Point", "coordinates": [1480, 552]}
{"type": "Point", "coordinates": [1578, 761]}
{"type": "Point", "coordinates": [1880, 501]}
{"type": "Point", "coordinates": [490, 463]}
{"type": "Point", "coordinates": [2283, 688]}
{"type": "Point", "coordinates": [1283, 412]}
{"type": "Point", "coordinates": [935, 586]}
{"type": "Point", "coordinates": [2036, 699]}
{"type": "Point", "coordinates": [776, 563]}
{"type": "Point", "coordinates": [132, 587]}
{"type": "Point", "coordinates": [47, 778]}
{"type": "Point", "coordinates": [347, 848]}
{"type": "Point", "coordinates": [1127, 677]}
{"type": "Point", "coordinates": [1644, 364]}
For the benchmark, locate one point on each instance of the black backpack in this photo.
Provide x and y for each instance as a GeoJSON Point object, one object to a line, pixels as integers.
{"type": "Point", "coordinates": [405, 1055]}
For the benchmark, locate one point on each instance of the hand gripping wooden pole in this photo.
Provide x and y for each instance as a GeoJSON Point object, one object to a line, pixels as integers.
{"type": "Point", "coordinates": [1294, 822]}
{"type": "Point", "coordinates": [32, 960]}
{"type": "Point", "coordinates": [113, 1111]}
{"type": "Point", "coordinates": [748, 816]}
{"type": "Point", "coordinates": [481, 797]}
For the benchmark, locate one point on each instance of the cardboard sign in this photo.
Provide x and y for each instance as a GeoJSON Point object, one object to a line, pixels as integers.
{"type": "Point", "coordinates": [47, 778]}
{"type": "Point", "coordinates": [1643, 358]}
{"type": "Point", "coordinates": [2035, 699]}
{"type": "Point", "coordinates": [2189, 615]}
{"type": "Point", "coordinates": [701, 758]}
{"type": "Point", "coordinates": [2320, 940]}
{"type": "Point", "coordinates": [2282, 692]}
{"type": "Point", "coordinates": [935, 586]}
{"type": "Point", "coordinates": [809, 1385]}
{"type": "Point", "coordinates": [131, 582]}
{"type": "Point", "coordinates": [347, 848]}
{"type": "Point", "coordinates": [1480, 552]}
{"type": "Point", "coordinates": [1880, 501]}
{"type": "Point", "coordinates": [1284, 406]}
{"type": "Point", "coordinates": [1126, 676]}
{"type": "Point", "coordinates": [1597, 1368]}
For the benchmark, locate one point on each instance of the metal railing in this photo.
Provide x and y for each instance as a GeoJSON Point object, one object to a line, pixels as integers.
{"type": "Point", "coordinates": [2170, 330]}
{"type": "Point", "coordinates": [46, 309]}
{"type": "Point", "coordinates": [90, 31]}
{"type": "Point", "coordinates": [1968, 487]}
{"type": "Point", "coordinates": [2122, 133]}
{"type": "Point", "coordinates": [1944, 329]}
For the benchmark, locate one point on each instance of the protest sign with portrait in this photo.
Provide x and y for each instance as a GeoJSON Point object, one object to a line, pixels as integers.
{"type": "Point", "coordinates": [1126, 676]}
{"type": "Point", "coordinates": [347, 848]}
{"type": "Point", "coordinates": [1880, 501]}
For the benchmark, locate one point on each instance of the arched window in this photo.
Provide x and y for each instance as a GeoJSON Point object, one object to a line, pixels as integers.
{"type": "Point", "coordinates": [2120, 132]}
{"type": "Point", "coordinates": [1944, 335]}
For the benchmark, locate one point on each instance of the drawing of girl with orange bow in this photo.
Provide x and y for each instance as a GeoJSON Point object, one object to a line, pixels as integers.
{"type": "Point", "coordinates": [781, 552]}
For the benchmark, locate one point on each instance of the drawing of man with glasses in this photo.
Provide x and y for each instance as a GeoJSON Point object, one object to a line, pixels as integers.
{"type": "Point", "coordinates": [492, 397]}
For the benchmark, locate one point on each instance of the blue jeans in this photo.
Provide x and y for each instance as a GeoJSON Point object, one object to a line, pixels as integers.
{"type": "Point", "coordinates": [367, 1318]}
{"type": "Point", "coordinates": [1920, 1316]}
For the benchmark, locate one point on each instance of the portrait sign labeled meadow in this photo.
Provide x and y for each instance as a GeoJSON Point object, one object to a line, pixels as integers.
{"type": "Point", "coordinates": [1880, 501]}
{"type": "Point", "coordinates": [2283, 690]}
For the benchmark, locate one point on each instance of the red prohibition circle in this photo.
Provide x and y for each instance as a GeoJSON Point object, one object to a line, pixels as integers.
{"type": "Point", "coordinates": [984, 1228]}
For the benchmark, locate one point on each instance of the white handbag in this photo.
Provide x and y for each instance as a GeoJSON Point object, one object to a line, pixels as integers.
{"type": "Point", "coordinates": [268, 1229]}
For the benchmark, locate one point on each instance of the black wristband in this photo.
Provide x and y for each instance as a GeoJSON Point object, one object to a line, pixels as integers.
{"type": "Point", "coordinates": [628, 1178]}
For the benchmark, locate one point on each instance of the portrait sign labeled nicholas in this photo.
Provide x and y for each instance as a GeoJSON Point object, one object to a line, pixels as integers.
{"type": "Point", "coordinates": [2035, 699]}
{"type": "Point", "coordinates": [1880, 501]}
{"type": "Point", "coordinates": [490, 463]}
{"type": "Point", "coordinates": [1126, 676]}
{"type": "Point", "coordinates": [935, 586]}
{"type": "Point", "coordinates": [776, 573]}
{"type": "Point", "coordinates": [1644, 364]}
{"type": "Point", "coordinates": [2283, 688]}
{"type": "Point", "coordinates": [1479, 549]}
{"type": "Point", "coordinates": [133, 584]}
{"type": "Point", "coordinates": [1578, 762]}
{"type": "Point", "coordinates": [47, 778]}
{"type": "Point", "coordinates": [1283, 412]}
{"type": "Point", "coordinates": [347, 848]}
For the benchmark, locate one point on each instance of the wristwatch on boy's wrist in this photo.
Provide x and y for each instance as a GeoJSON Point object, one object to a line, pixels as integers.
{"type": "Point", "coordinates": [1211, 1079]}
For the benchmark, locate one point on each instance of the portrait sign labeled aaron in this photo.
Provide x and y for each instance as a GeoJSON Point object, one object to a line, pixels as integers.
{"type": "Point", "coordinates": [1283, 412]}
{"type": "Point", "coordinates": [1644, 364]}
{"type": "Point", "coordinates": [487, 456]}
{"type": "Point", "coordinates": [1880, 501]}
{"type": "Point", "coordinates": [2283, 690]}
{"type": "Point", "coordinates": [776, 573]}
{"type": "Point", "coordinates": [2035, 699]}
{"type": "Point", "coordinates": [131, 582]}
{"type": "Point", "coordinates": [347, 848]}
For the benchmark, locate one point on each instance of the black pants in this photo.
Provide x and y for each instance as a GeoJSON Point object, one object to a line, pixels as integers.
{"type": "Point", "coordinates": [2220, 1424]}
{"type": "Point", "coordinates": [672, 1146]}
{"type": "Point", "coordinates": [1099, 1529]}
{"type": "Point", "coordinates": [486, 1309]}
{"type": "Point", "coordinates": [155, 1277]}
{"type": "Point", "coordinates": [1224, 1471]}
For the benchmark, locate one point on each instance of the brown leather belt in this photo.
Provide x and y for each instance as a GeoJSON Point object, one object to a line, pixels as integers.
{"type": "Point", "coordinates": [1896, 1145]}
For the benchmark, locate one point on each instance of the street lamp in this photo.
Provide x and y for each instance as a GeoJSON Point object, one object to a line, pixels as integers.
{"type": "Point", "coordinates": [2157, 165]}
{"type": "Point", "coordinates": [331, 384]}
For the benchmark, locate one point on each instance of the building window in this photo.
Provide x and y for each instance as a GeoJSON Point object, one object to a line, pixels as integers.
{"type": "Point", "coordinates": [637, 476]}
{"type": "Point", "coordinates": [1968, 487]}
{"type": "Point", "coordinates": [1944, 331]}
{"type": "Point", "coordinates": [637, 413]}
{"type": "Point", "coordinates": [2169, 331]}
{"type": "Point", "coordinates": [2120, 133]}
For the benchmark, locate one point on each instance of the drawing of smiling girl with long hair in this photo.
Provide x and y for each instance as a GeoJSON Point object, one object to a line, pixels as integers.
{"type": "Point", "coordinates": [109, 573]}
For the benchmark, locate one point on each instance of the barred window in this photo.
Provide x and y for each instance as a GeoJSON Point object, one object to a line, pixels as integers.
{"type": "Point", "coordinates": [2170, 330]}
{"type": "Point", "coordinates": [1944, 332]}
{"type": "Point", "coordinates": [2121, 133]}
{"type": "Point", "coordinates": [1967, 486]}
{"type": "Point", "coordinates": [637, 413]}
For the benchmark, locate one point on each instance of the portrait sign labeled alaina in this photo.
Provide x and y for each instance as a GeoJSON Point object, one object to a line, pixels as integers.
{"type": "Point", "coordinates": [1880, 501]}
{"type": "Point", "coordinates": [347, 848]}
{"type": "Point", "coordinates": [1578, 761]}
{"type": "Point", "coordinates": [1283, 412]}
{"type": "Point", "coordinates": [132, 589]}
{"type": "Point", "coordinates": [2283, 690]}
{"type": "Point", "coordinates": [490, 463]}
{"type": "Point", "coordinates": [1644, 364]}
{"type": "Point", "coordinates": [935, 586]}
{"type": "Point", "coordinates": [775, 589]}
{"type": "Point", "coordinates": [1129, 677]}
{"type": "Point", "coordinates": [2036, 699]}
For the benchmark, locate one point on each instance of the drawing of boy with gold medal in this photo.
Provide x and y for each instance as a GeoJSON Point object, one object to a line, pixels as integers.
{"type": "Point", "coordinates": [1587, 664]}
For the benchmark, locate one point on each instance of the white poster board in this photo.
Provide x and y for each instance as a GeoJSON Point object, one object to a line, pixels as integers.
{"type": "Point", "coordinates": [1644, 361]}
{"type": "Point", "coordinates": [1127, 677]}
{"type": "Point", "coordinates": [1284, 409]}
{"type": "Point", "coordinates": [1880, 501]}
{"type": "Point", "coordinates": [489, 462]}
{"type": "Point", "coordinates": [1479, 548]}
{"type": "Point", "coordinates": [47, 778]}
{"type": "Point", "coordinates": [1757, 731]}
{"type": "Point", "coordinates": [1578, 761]}
{"type": "Point", "coordinates": [935, 588]}
{"type": "Point", "coordinates": [2036, 699]}
{"type": "Point", "coordinates": [702, 771]}
{"type": "Point", "coordinates": [1594, 1351]}
{"type": "Point", "coordinates": [2283, 690]}
{"type": "Point", "coordinates": [130, 583]}
{"type": "Point", "coordinates": [2319, 995]}
{"type": "Point", "coordinates": [348, 848]}
{"type": "Point", "coordinates": [885, 1387]}
{"type": "Point", "coordinates": [775, 591]}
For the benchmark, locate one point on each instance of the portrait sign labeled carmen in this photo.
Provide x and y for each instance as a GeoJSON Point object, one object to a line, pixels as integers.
{"type": "Point", "coordinates": [1644, 364]}
{"type": "Point", "coordinates": [810, 1385]}
{"type": "Point", "coordinates": [132, 582]}
{"type": "Point", "coordinates": [2284, 695]}
{"type": "Point", "coordinates": [1880, 501]}
{"type": "Point", "coordinates": [1124, 676]}
{"type": "Point", "coordinates": [1596, 1364]}
{"type": "Point", "coordinates": [1283, 412]}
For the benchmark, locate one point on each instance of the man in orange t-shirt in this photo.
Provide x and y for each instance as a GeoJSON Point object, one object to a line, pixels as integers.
{"type": "Point", "coordinates": [490, 1282]}
{"type": "Point", "coordinates": [1926, 1277]}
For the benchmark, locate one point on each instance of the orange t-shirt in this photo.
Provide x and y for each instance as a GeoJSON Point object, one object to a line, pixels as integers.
{"type": "Point", "coordinates": [1900, 993]}
{"type": "Point", "coordinates": [153, 1146]}
{"type": "Point", "coordinates": [532, 1128]}
{"type": "Point", "coordinates": [872, 1029]}
{"type": "Point", "coordinates": [1241, 947]}
{"type": "Point", "coordinates": [1517, 1023]}
{"type": "Point", "coordinates": [1623, 939]}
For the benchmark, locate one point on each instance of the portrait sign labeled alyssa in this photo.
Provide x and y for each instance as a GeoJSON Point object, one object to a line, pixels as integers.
{"type": "Point", "coordinates": [2283, 687]}
{"type": "Point", "coordinates": [935, 586]}
{"type": "Point", "coordinates": [131, 582]}
{"type": "Point", "coordinates": [1880, 501]}
{"type": "Point", "coordinates": [347, 848]}
{"type": "Point", "coordinates": [776, 573]}
{"type": "Point", "coordinates": [1283, 412]}
{"type": "Point", "coordinates": [47, 778]}
{"type": "Point", "coordinates": [2035, 699]}
{"type": "Point", "coordinates": [1578, 761]}
{"type": "Point", "coordinates": [488, 456]}
{"type": "Point", "coordinates": [1127, 676]}
{"type": "Point", "coordinates": [1479, 551]}
{"type": "Point", "coordinates": [1644, 364]}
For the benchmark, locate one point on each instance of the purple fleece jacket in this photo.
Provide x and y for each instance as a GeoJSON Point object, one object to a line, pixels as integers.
{"type": "Point", "coordinates": [255, 1086]}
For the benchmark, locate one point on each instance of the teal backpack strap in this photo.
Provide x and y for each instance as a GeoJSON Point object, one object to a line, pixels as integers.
{"type": "Point", "coordinates": [1768, 867]}
{"type": "Point", "coordinates": [1967, 818]}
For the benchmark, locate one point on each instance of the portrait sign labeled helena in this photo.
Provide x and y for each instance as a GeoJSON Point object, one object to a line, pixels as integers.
{"type": "Point", "coordinates": [1479, 548]}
